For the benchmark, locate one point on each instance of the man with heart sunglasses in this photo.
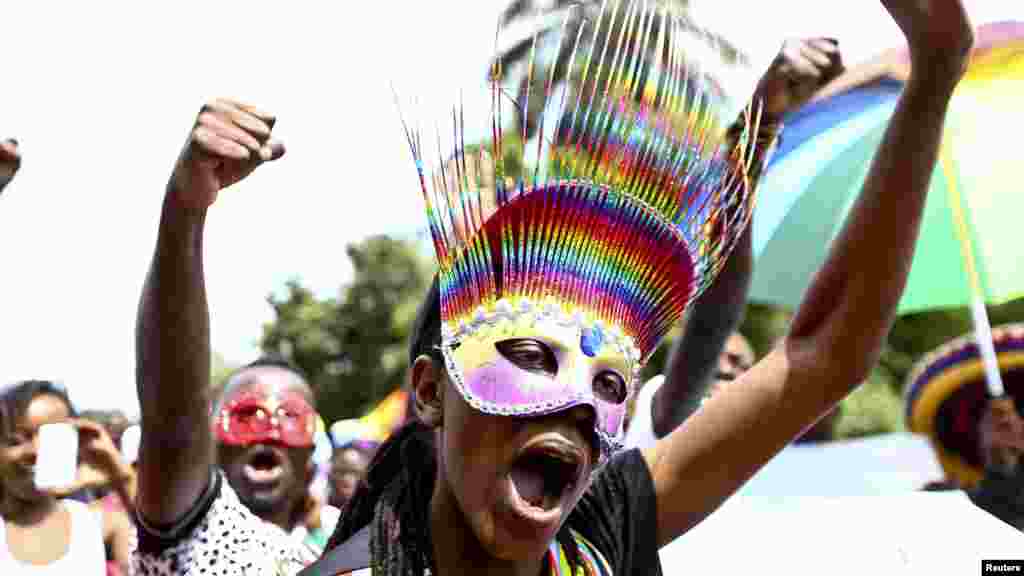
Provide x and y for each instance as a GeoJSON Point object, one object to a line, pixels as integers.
{"type": "Point", "coordinates": [263, 425]}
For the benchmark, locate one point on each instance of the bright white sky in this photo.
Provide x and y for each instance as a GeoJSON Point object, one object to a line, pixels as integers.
{"type": "Point", "coordinates": [101, 96]}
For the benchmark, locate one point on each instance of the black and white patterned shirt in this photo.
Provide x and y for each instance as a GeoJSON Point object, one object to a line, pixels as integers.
{"type": "Point", "coordinates": [218, 537]}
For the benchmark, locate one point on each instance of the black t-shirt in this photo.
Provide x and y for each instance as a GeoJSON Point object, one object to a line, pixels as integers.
{"type": "Point", "coordinates": [1002, 496]}
{"type": "Point", "coordinates": [618, 515]}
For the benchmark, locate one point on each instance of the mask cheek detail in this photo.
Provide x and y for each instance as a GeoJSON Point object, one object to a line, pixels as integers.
{"type": "Point", "coordinates": [502, 382]}
{"type": "Point", "coordinates": [610, 416]}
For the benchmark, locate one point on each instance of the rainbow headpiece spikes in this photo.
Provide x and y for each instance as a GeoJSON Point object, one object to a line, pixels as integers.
{"type": "Point", "coordinates": [637, 192]}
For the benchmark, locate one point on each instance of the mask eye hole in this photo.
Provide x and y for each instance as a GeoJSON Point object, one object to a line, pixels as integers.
{"type": "Point", "coordinates": [610, 387]}
{"type": "Point", "coordinates": [530, 355]}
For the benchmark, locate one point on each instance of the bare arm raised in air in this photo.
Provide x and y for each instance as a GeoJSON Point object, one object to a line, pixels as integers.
{"type": "Point", "coordinates": [839, 328]}
{"type": "Point", "coordinates": [228, 141]}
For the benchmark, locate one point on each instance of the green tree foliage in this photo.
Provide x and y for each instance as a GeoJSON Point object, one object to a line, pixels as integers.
{"type": "Point", "coordinates": [220, 370]}
{"type": "Point", "coordinates": [353, 347]}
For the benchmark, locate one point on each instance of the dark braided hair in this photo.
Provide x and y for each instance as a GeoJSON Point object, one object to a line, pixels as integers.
{"type": "Point", "coordinates": [405, 465]}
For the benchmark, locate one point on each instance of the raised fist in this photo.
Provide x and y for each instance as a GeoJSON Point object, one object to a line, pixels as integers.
{"type": "Point", "coordinates": [229, 140]}
{"type": "Point", "coordinates": [10, 161]}
{"type": "Point", "coordinates": [939, 34]}
{"type": "Point", "coordinates": [801, 67]}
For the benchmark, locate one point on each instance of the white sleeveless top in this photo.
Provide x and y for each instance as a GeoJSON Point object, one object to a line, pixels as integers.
{"type": "Point", "coordinates": [640, 433]}
{"type": "Point", "coordinates": [85, 556]}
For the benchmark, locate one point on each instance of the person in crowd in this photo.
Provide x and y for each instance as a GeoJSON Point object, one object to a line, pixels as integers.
{"type": "Point", "coordinates": [348, 469]}
{"type": "Point", "coordinates": [44, 533]}
{"type": "Point", "coordinates": [709, 340]}
{"type": "Point", "coordinates": [1001, 439]}
{"type": "Point", "coordinates": [265, 426]}
{"type": "Point", "coordinates": [978, 440]}
{"type": "Point", "coordinates": [113, 421]}
{"type": "Point", "coordinates": [468, 484]}
{"type": "Point", "coordinates": [116, 424]}
{"type": "Point", "coordinates": [10, 161]}
{"type": "Point", "coordinates": [737, 356]}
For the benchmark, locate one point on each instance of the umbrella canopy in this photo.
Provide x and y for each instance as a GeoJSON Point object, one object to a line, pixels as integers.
{"type": "Point", "coordinates": [975, 200]}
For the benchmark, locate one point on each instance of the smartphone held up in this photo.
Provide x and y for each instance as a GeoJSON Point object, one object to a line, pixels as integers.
{"type": "Point", "coordinates": [57, 457]}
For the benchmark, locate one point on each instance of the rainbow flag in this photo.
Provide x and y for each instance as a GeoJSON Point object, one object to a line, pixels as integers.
{"type": "Point", "coordinates": [388, 416]}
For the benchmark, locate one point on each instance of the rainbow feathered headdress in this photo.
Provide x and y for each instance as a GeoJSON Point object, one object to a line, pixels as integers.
{"type": "Point", "coordinates": [637, 192]}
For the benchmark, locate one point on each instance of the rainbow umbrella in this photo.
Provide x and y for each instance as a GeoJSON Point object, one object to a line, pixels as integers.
{"type": "Point", "coordinates": [968, 253]}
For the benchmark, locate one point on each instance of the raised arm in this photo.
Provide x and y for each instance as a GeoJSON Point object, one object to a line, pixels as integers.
{"type": "Point", "coordinates": [229, 140]}
{"type": "Point", "coordinates": [801, 67]}
{"type": "Point", "coordinates": [838, 331]}
{"type": "Point", "coordinates": [10, 161]}
{"type": "Point", "coordinates": [694, 356]}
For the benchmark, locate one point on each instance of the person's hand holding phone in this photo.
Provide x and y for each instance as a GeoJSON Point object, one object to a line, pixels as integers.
{"type": "Point", "coordinates": [99, 462]}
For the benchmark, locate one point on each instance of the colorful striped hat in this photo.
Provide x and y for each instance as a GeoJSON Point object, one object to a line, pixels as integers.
{"type": "Point", "coordinates": [947, 395]}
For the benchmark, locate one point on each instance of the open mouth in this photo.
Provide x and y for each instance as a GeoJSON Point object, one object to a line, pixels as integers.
{"type": "Point", "coordinates": [544, 474]}
{"type": "Point", "coordinates": [265, 466]}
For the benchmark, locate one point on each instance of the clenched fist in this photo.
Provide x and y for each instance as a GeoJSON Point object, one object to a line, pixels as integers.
{"type": "Point", "coordinates": [801, 67]}
{"type": "Point", "coordinates": [10, 161]}
{"type": "Point", "coordinates": [229, 140]}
